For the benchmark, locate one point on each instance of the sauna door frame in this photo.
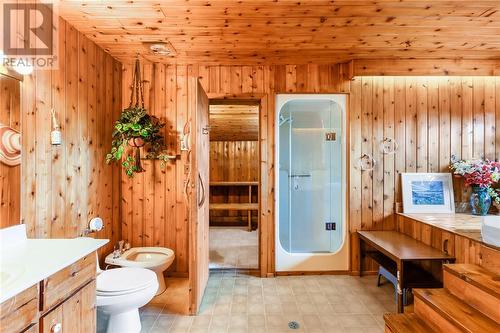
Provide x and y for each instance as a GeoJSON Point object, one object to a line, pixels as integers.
{"type": "Point", "coordinates": [245, 99]}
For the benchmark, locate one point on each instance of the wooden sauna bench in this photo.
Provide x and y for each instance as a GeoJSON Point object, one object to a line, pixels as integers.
{"type": "Point", "coordinates": [249, 206]}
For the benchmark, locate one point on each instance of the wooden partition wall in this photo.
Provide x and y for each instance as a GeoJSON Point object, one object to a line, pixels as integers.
{"type": "Point", "coordinates": [64, 186]}
{"type": "Point", "coordinates": [422, 114]}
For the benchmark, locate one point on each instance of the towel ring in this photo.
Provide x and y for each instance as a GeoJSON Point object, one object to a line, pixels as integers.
{"type": "Point", "coordinates": [389, 146]}
{"type": "Point", "coordinates": [366, 162]}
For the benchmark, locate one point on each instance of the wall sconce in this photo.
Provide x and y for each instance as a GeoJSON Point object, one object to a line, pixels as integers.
{"type": "Point", "coordinates": [55, 135]}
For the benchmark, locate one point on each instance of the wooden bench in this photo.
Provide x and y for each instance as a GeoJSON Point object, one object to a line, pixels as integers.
{"type": "Point", "coordinates": [250, 206]}
{"type": "Point", "coordinates": [399, 254]}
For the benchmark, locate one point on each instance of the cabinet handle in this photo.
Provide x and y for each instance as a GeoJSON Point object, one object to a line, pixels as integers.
{"type": "Point", "coordinates": [445, 246]}
{"type": "Point", "coordinates": [56, 328]}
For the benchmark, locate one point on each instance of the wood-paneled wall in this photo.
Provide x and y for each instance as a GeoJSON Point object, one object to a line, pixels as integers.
{"type": "Point", "coordinates": [153, 203]}
{"type": "Point", "coordinates": [236, 161]}
{"type": "Point", "coordinates": [431, 119]}
{"type": "Point", "coordinates": [64, 186]}
{"type": "Point", "coordinates": [10, 176]}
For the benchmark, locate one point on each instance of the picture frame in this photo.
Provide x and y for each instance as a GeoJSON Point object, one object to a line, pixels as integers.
{"type": "Point", "coordinates": [427, 193]}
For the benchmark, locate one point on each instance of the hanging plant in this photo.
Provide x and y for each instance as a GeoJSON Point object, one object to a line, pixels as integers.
{"type": "Point", "coordinates": [136, 128]}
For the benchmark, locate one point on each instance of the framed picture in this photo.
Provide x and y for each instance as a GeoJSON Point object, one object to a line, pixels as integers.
{"type": "Point", "coordinates": [427, 193]}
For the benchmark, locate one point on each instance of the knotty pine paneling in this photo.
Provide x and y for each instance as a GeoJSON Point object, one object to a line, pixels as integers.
{"type": "Point", "coordinates": [431, 119]}
{"type": "Point", "coordinates": [314, 31]}
{"type": "Point", "coordinates": [10, 176]}
{"type": "Point", "coordinates": [64, 186]}
{"type": "Point", "coordinates": [233, 161]}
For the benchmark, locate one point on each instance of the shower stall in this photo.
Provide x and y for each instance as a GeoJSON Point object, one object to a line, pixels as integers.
{"type": "Point", "coordinates": [311, 230]}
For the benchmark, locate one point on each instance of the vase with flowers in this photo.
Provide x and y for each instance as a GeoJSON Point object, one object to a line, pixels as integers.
{"type": "Point", "coordinates": [482, 176]}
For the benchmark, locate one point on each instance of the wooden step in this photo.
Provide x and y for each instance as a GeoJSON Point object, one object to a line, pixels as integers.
{"type": "Point", "coordinates": [405, 323]}
{"type": "Point", "coordinates": [476, 286]}
{"type": "Point", "coordinates": [447, 314]}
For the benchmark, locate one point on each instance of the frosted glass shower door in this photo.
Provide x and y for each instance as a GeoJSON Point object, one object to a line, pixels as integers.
{"type": "Point", "coordinates": [310, 176]}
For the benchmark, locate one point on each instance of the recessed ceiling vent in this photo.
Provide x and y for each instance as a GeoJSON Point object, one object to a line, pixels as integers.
{"type": "Point", "coordinates": [161, 48]}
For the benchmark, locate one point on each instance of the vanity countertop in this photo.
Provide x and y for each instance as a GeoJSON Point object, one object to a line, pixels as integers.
{"type": "Point", "coordinates": [25, 262]}
{"type": "Point", "coordinates": [465, 225]}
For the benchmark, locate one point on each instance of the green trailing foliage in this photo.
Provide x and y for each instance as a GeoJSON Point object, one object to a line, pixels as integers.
{"type": "Point", "coordinates": [136, 123]}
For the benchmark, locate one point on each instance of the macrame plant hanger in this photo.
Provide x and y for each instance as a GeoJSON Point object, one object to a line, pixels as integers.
{"type": "Point", "coordinates": [138, 93]}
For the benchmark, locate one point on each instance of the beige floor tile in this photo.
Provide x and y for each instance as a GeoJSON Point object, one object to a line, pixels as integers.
{"type": "Point", "coordinates": [218, 329]}
{"type": "Point", "coordinates": [357, 320]}
{"type": "Point", "coordinates": [318, 303]}
{"type": "Point", "coordinates": [233, 247]}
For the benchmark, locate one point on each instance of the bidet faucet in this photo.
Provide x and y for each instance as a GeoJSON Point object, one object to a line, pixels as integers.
{"type": "Point", "coordinates": [120, 246]}
{"type": "Point", "coordinates": [118, 250]}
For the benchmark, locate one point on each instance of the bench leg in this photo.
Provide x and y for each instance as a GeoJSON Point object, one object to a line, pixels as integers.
{"type": "Point", "coordinates": [400, 288]}
{"type": "Point", "coordinates": [360, 256]}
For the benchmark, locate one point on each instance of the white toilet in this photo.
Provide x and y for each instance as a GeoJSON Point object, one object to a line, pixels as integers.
{"type": "Point", "coordinates": [157, 259]}
{"type": "Point", "coordinates": [120, 292]}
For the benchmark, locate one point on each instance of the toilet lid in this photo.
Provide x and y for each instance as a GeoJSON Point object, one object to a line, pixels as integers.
{"type": "Point", "coordinates": [124, 279]}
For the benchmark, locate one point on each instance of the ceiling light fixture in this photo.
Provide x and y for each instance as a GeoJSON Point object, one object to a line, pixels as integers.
{"type": "Point", "coordinates": [160, 49]}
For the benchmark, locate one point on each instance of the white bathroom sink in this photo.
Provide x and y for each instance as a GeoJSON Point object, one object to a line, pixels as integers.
{"type": "Point", "coordinates": [490, 230]}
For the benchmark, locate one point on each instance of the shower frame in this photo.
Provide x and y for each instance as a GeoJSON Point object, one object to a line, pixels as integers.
{"type": "Point", "coordinates": [343, 266]}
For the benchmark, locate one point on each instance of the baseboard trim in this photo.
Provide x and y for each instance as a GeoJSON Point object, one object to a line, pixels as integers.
{"type": "Point", "coordinates": [183, 275]}
{"type": "Point", "coordinates": [299, 273]}
{"type": "Point", "coordinates": [356, 273]}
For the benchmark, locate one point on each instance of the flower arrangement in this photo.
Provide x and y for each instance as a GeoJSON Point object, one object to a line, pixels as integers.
{"type": "Point", "coordinates": [480, 173]}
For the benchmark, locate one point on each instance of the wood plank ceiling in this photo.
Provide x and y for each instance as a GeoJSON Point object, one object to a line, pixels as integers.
{"type": "Point", "coordinates": [234, 122]}
{"type": "Point", "coordinates": [290, 31]}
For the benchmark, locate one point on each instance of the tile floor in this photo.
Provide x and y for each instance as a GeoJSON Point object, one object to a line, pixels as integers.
{"type": "Point", "coordinates": [235, 302]}
{"type": "Point", "coordinates": [233, 247]}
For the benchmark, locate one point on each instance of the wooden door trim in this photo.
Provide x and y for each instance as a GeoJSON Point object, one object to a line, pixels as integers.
{"type": "Point", "coordinates": [257, 99]}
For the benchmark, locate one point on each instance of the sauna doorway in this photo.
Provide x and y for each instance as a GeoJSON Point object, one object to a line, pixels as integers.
{"type": "Point", "coordinates": [234, 185]}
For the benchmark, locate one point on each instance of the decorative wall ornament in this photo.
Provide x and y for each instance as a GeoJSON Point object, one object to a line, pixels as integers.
{"type": "Point", "coordinates": [10, 146]}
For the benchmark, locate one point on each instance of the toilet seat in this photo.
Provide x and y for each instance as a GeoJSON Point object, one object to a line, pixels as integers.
{"type": "Point", "coordinates": [126, 280]}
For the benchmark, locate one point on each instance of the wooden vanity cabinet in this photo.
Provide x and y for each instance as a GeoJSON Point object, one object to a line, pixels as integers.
{"type": "Point", "coordinates": [20, 312]}
{"type": "Point", "coordinates": [76, 314]}
{"type": "Point", "coordinates": [63, 302]}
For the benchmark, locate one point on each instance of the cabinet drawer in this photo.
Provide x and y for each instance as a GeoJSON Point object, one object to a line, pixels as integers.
{"type": "Point", "coordinates": [20, 311]}
{"type": "Point", "coordinates": [64, 283]}
{"type": "Point", "coordinates": [77, 314]}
